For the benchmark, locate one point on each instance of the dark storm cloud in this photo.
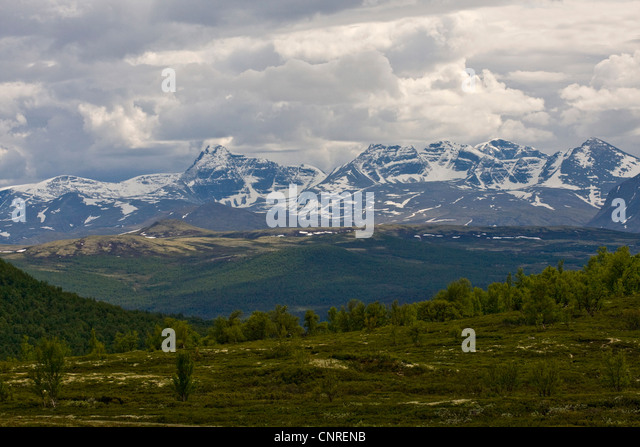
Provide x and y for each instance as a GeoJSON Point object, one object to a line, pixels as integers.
{"type": "Point", "coordinates": [241, 13]}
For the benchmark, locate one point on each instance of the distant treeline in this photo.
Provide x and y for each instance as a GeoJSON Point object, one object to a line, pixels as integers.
{"type": "Point", "coordinates": [554, 295]}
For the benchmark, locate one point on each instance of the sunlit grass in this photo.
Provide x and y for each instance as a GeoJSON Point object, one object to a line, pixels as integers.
{"type": "Point", "coordinates": [377, 382]}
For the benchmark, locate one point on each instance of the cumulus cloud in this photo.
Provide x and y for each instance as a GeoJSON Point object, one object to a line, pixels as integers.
{"type": "Point", "coordinates": [315, 82]}
{"type": "Point", "coordinates": [127, 126]}
{"type": "Point", "coordinates": [610, 103]}
{"type": "Point", "coordinates": [17, 96]}
{"type": "Point", "coordinates": [618, 70]}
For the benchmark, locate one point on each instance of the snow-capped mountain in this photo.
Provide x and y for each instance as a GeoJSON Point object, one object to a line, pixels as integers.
{"type": "Point", "coordinates": [494, 183]}
{"type": "Point", "coordinates": [591, 170]}
{"type": "Point", "coordinates": [442, 161]}
{"type": "Point", "coordinates": [240, 181]}
{"type": "Point", "coordinates": [496, 164]}
{"type": "Point", "coordinates": [623, 214]}
{"type": "Point", "coordinates": [502, 181]}
{"type": "Point", "coordinates": [69, 206]}
{"type": "Point", "coordinates": [505, 165]}
{"type": "Point", "coordinates": [137, 187]}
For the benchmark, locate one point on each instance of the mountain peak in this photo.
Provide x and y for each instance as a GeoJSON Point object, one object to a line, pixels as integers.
{"type": "Point", "coordinates": [375, 147]}
{"type": "Point", "coordinates": [216, 150]}
{"type": "Point", "coordinates": [596, 144]}
{"type": "Point", "coordinates": [460, 177]}
{"type": "Point", "coordinates": [382, 151]}
{"type": "Point", "coordinates": [443, 144]}
{"type": "Point", "coordinates": [378, 147]}
{"type": "Point", "coordinates": [499, 144]}
{"type": "Point", "coordinates": [592, 140]}
{"type": "Point", "coordinates": [211, 159]}
{"type": "Point", "coordinates": [504, 149]}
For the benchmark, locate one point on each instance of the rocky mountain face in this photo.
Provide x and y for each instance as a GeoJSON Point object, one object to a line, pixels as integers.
{"type": "Point", "coordinates": [494, 183]}
{"type": "Point", "coordinates": [621, 209]}
{"type": "Point", "coordinates": [240, 181]}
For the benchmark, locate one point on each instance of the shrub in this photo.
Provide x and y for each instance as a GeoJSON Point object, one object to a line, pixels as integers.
{"type": "Point", "coordinates": [631, 319]}
{"type": "Point", "coordinates": [502, 379]}
{"type": "Point", "coordinates": [438, 310]}
{"type": "Point", "coordinates": [311, 322]}
{"type": "Point", "coordinates": [96, 347]}
{"type": "Point", "coordinates": [471, 384]}
{"type": "Point", "coordinates": [373, 362]}
{"type": "Point", "coordinates": [27, 351]}
{"type": "Point", "coordinates": [329, 386]}
{"type": "Point", "coordinates": [5, 391]}
{"type": "Point", "coordinates": [49, 370]}
{"type": "Point", "coordinates": [509, 376]}
{"type": "Point", "coordinates": [298, 375]}
{"type": "Point", "coordinates": [455, 333]}
{"type": "Point", "coordinates": [393, 335]}
{"type": "Point", "coordinates": [402, 315]}
{"type": "Point", "coordinates": [415, 332]}
{"type": "Point", "coordinates": [126, 342]}
{"type": "Point", "coordinates": [514, 321]}
{"type": "Point", "coordinates": [616, 372]}
{"type": "Point", "coordinates": [282, 349]}
{"type": "Point", "coordinates": [545, 378]}
{"type": "Point", "coordinates": [182, 380]}
{"type": "Point", "coordinates": [300, 356]}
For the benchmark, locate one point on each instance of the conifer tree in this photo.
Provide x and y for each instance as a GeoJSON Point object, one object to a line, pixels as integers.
{"type": "Point", "coordinates": [183, 381]}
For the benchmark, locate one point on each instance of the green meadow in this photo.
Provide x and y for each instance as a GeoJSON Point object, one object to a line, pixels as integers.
{"type": "Point", "coordinates": [383, 377]}
{"type": "Point", "coordinates": [558, 346]}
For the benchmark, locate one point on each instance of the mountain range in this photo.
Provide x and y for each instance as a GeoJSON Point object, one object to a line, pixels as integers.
{"type": "Point", "coordinates": [498, 182]}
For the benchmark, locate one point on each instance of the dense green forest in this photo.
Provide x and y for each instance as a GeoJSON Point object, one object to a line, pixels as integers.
{"type": "Point", "coordinates": [31, 309]}
{"type": "Point", "coordinates": [211, 275]}
{"type": "Point", "coordinates": [554, 295]}
{"type": "Point", "coordinates": [556, 347]}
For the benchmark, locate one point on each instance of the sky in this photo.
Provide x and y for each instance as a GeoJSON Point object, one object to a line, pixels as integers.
{"type": "Point", "coordinates": [315, 82]}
